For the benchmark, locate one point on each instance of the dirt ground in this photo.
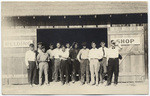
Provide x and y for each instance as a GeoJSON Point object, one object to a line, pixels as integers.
{"type": "Point", "coordinates": [76, 88]}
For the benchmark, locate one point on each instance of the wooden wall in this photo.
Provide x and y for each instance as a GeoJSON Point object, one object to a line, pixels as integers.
{"type": "Point", "coordinates": [132, 67]}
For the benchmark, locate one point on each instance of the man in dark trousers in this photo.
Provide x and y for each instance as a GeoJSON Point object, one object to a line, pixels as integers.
{"type": "Point", "coordinates": [74, 61]}
{"type": "Point", "coordinates": [113, 62]}
{"type": "Point", "coordinates": [30, 60]}
{"type": "Point", "coordinates": [51, 63]}
{"type": "Point", "coordinates": [64, 66]}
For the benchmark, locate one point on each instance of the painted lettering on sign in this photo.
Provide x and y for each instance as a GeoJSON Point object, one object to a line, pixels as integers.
{"type": "Point", "coordinates": [127, 40]}
{"type": "Point", "coordinates": [17, 43]}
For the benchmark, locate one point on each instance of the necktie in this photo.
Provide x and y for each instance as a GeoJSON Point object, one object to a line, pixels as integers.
{"type": "Point", "coordinates": [103, 51]}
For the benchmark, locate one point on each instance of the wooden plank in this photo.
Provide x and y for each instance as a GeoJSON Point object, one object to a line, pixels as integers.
{"type": "Point", "coordinates": [73, 8]}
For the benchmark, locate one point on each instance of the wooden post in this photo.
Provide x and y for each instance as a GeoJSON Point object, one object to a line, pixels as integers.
{"type": "Point", "coordinates": [146, 49]}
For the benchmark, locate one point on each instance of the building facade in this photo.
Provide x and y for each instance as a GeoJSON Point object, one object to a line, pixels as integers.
{"type": "Point", "coordinates": [23, 22]}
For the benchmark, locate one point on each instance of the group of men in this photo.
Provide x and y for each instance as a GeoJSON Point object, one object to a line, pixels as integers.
{"type": "Point", "coordinates": [68, 62]}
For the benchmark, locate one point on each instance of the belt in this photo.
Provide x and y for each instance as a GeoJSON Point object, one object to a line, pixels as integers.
{"type": "Point", "coordinates": [94, 58]}
{"type": "Point", "coordinates": [113, 58]}
{"type": "Point", "coordinates": [84, 59]}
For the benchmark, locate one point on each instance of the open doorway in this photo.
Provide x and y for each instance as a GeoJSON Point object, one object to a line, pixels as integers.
{"type": "Point", "coordinates": [47, 36]}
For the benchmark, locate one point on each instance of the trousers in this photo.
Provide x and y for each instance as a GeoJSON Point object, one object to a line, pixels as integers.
{"type": "Point", "coordinates": [75, 69]}
{"type": "Point", "coordinates": [84, 66]}
{"type": "Point", "coordinates": [94, 69]}
{"type": "Point", "coordinates": [43, 66]}
{"type": "Point", "coordinates": [32, 72]}
{"type": "Point", "coordinates": [64, 65]}
{"type": "Point", "coordinates": [56, 69]}
{"type": "Point", "coordinates": [51, 70]}
{"type": "Point", "coordinates": [103, 68]}
{"type": "Point", "coordinates": [113, 68]}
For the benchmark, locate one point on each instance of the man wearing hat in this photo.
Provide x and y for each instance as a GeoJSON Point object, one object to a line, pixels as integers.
{"type": "Point", "coordinates": [43, 59]}
{"type": "Point", "coordinates": [84, 63]}
{"type": "Point", "coordinates": [113, 62]}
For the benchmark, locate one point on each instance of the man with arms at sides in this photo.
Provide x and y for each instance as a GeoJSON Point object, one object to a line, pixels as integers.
{"type": "Point", "coordinates": [94, 64]}
{"type": "Point", "coordinates": [103, 60]}
{"type": "Point", "coordinates": [84, 63]}
{"type": "Point", "coordinates": [113, 62]}
{"type": "Point", "coordinates": [57, 53]}
{"type": "Point", "coordinates": [39, 50]}
{"type": "Point", "coordinates": [43, 59]}
{"type": "Point", "coordinates": [30, 60]}
{"type": "Point", "coordinates": [51, 63]}
{"type": "Point", "coordinates": [64, 65]}
{"type": "Point", "coordinates": [74, 61]}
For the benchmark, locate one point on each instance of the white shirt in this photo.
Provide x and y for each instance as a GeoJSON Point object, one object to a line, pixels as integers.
{"type": "Point", "coordinates": [30, 56]}
{"type": "Point", "coordinates": [50, 53]}
{"type": "Point", "coordinates": [83, 54]}
{"type": "Point", "coordinates": [113, 53]}
{"type": "Point", "coordinates": [93, 53]}
{"type": "Point", "coordinates": [101, 51]}
{"type": "Point", "coordinates": [39, 50]}
{"type": "Point", "coordinates": [64, 55]}
{"type": "Point", "coordinates": [57, 53]}
{"type": "Point", "coordinates": [68, 49]}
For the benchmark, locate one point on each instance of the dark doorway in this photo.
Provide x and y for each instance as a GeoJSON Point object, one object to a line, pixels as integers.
{"type": "Point", "coordinates": [79, 35]}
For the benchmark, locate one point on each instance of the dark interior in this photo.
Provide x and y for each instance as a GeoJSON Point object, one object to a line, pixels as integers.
{"type": "Point", "coordinates": [47, 36]}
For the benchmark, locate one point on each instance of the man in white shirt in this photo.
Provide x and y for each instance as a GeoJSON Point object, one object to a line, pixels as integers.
{"type": "Point", "coordinates": [39, 47]}
{"type": "Point", "coordinates": [64, 66]}
{"type": "Point", "coordinates": [94, 63]}
{"type": "Point", "coordinates": [51, 63]}
{"type": "Point", "coordinates": [84, 63]}
{"type": "Point", "coordinates": [113, 62]}
{"type": "Point", "coordinates": [30, 60]}
{"type": "Point", "coordinates": [57, 53]}
{"type": "Point", "coordinates": [103, 60]}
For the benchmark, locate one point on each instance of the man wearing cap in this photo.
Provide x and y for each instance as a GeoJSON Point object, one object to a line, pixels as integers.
{"type": "Point", "coordinates": [51, 63]}
{"type": "Point", "coordinates": [30, 60]}
{"type": "Point", "coordinates": [57, 53]}
{"type": "Point", "coordinates": [113, 62]}
{"type": "Point", "coordinates": [94, 64]}
{"type": "Point", "coordinates": [64, 67]}
{"type": "Point", "coordinates": [43, 59]}
{"type": "Point", "coordinates": [103, 60]}
{"type": "Point", "coordinates": [84, 63]}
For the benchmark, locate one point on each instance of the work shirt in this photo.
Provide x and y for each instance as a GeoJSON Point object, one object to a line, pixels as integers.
{"type": "Point", "coordinates": [64, 55]}
{"type": "Point", "coordinates": [39, 50]}
{"type": "Point", "coordinates": [50, 53]}
{"type": "Point", "coordinates": [74, 53]}
{"type": "Point", "coordinates": [42, 57]}
{"type": "Point", "coordinates": [57, 53]}
{"type": "Point", "coordinates": [93, 54]}
{"type": "Point", "coordinates": [103, 51]}
{"type": "Point", "coordinates": [30, 56]}
{"type": "Point", "coordinates": [113, 53]}
{"type": "Point", "coordinates": [83, 54]}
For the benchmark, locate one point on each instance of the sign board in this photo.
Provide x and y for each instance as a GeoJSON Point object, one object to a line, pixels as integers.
{"type": "Point", "coordinates": [127, 40]}
{"type": "Point", "coordinates": [17, 43]}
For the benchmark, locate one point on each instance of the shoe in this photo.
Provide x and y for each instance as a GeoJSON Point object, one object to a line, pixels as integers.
{"type": "Point", "coordinates": [96, 84]}
{"type": "Point", "coordinates": [115, 84]}
{"type": "Point", "coordinates": [62, 83]}
{"type": "Point", "coordinates": [40, 84]}
{"type": "Point", "coordinates": [31, 85]}
{"type": "Point", "coordinates": [73, 81]}
{"type": "Point", "coordinates": [47, 84]}
{"type": "Point", "coordinates": [67, 83]}
{"type": "Point", "coordinates": [107, 84]}
{"type": "Point", "coordinates": [92, 83]}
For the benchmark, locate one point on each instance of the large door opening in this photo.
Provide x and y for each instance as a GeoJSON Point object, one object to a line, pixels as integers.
{"type": "Point", "coordinates": [47, 36]}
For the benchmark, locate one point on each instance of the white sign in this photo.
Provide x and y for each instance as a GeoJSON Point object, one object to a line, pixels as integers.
{"type": "Point", "coordinates": [128, 40]}
{"type": "Point", "coordinates": [17, 43]}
